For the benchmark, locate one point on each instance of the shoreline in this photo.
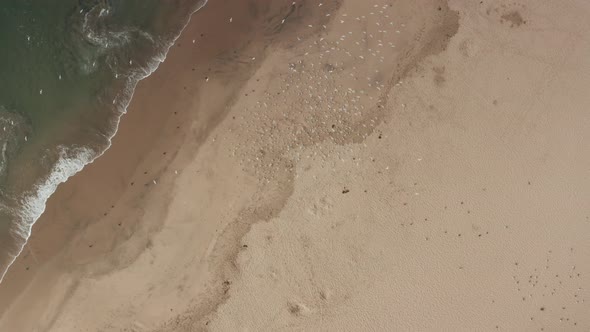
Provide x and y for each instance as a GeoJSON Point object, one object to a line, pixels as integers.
{"type": "Point", "coordinates": [50, 239]}
{"type": "Point", "coordinates": [81, 156]}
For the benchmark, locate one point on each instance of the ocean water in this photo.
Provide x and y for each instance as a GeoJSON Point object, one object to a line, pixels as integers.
{"type": "Point", "coordinates": [68, 69]}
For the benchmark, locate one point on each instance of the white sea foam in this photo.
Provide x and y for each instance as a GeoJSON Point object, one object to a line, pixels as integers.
{"type": "Point", "coordinates": [32, 206]}
{"type": "Point", "coordinates": [70, 162]}
{"type": "Point", "coordinates": [74, 160]}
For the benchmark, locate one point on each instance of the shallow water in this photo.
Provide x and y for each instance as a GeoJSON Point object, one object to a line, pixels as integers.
{"type": "Point", "coordinates": [67, 72]}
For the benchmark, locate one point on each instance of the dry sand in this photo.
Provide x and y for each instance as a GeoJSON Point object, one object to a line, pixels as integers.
{"type": "Point", "coordinates": [412, 165]}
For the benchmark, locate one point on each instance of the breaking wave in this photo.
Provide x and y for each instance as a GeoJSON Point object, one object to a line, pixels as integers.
{"type": "Point", "coordinates": [73, 159]}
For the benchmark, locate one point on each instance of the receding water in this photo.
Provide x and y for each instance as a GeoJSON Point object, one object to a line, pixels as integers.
{"type": "Point", "coordinates": [67, 72]}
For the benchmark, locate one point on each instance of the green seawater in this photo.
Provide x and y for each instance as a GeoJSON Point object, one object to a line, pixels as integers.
{"type": "Point", "coordinates": [67, 72]}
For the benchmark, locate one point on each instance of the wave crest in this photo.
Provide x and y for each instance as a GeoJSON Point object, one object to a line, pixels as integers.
{"type": "Point", "coordinates": [32, 205]}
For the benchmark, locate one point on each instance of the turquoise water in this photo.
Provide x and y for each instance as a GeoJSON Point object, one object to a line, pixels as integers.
{"type": "Point", "coordinates": [67, 72]}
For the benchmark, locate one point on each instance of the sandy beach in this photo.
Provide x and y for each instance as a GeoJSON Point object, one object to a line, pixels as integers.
{"type": "Point", "coordinates": [334, 166]}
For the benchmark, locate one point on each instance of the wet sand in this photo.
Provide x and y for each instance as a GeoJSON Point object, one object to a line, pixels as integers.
{"type": "Point", "coordinates": [100, 210]}
{"type": "Point", "coordinates": [414, 165]}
